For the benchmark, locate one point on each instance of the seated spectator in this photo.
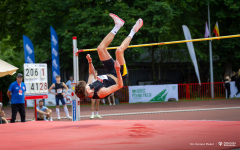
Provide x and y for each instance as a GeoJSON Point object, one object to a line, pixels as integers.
{"type": "Point", "coordinates": [233, 76]}
{"type": "Point", "coordinates": [113, 98]}
{"type": "Point", "coordinates": [2, 115]}
{"type": "Point", "coordinates": [43, 113]}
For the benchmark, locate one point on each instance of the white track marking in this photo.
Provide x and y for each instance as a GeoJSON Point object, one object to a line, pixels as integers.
{"type": "Point", "coordinates": [167, 111]}
{"type": "Point", "coordinates": [156, 112]}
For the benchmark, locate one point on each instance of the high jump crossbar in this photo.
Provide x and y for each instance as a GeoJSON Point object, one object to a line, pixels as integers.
{"type": "Point", "coordinates": [165, 43]}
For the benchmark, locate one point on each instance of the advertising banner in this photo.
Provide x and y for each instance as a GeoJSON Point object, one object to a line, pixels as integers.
{"type": "Point", "coordinates": [191, 50]}
{"type": "Point", "coordinates": [55, 55]}
{"type": "Point", "coordinates": [28, 50]}
{"type": "Point", "coordinates": [153, 93]}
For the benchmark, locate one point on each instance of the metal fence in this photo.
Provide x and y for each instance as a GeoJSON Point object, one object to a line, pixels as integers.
{"type": "Point", "coordinates": [195, 91]}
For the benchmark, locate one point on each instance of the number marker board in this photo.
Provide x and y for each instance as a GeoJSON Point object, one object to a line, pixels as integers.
{"type": "Point", "coordinates": [35, 78]}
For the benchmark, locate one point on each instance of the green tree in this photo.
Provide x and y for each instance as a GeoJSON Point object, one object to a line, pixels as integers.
{"type": "Point", "coordinates": [8, 53]}
{"type": "Point", "coordinates": [89, 20]}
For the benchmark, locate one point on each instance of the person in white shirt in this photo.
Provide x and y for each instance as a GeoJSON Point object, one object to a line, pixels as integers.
{"type": "Point", "coordinates": [69, 82]}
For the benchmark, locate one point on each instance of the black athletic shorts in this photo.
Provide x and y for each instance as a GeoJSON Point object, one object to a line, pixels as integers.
{"type": "Point", "coordinates": [109, 66]}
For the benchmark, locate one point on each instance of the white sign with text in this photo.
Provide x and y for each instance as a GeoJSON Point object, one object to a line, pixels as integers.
{"type": "Point", "coordinates": [153, 93]}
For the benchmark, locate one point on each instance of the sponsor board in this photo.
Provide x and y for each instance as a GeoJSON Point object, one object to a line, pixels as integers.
{"type": "Point", "coordinates": [153, 93]}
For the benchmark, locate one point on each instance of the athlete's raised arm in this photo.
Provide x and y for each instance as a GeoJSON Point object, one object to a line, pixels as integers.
{"type": "Point", "coordinates": [91, 69]}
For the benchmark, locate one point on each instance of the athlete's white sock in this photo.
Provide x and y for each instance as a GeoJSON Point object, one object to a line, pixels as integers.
{"type": "Point", "coordinates": [96, 112]}
{"type": "Point", "coordinates": [93, 113]}
{"type": "Point", "coordinates": [58, 112]}
{"type": "Point", "coordinates": [115, 29]}
{"type": "Point", "coordinates": [66, 111]}
{"type": "Point", "coordinates": [132, 32]}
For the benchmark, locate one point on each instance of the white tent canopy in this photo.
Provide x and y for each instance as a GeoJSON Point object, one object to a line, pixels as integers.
{"type": "Point", "coordinates": [6, 68]}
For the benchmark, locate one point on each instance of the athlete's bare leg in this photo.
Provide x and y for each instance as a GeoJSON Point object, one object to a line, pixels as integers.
{"type": "Point", "coordinates": [120, 50]}
{"type": "Point", "coordinates": [93, 104]}
{"type": "Point", "coordinates": [102, 48]}
{"type": "Point", "coordinates": [97, 104]}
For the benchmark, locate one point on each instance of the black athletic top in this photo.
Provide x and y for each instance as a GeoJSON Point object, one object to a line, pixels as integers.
{"type": "Point", "coordinates": [102, 81]}
{"type": "Point", "coordinates": [59, 89]}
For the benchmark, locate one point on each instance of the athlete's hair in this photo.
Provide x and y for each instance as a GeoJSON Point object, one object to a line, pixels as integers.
{"type": "Point", "coordinates": [80, 90]}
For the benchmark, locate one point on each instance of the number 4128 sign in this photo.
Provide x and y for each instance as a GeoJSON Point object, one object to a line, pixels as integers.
{"type": "Point", "coordinates": [35, 78]}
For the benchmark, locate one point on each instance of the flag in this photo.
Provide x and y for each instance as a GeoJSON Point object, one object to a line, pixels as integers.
{"type": "Point", "coordinates": [55, 55]}
{"type": "Point", "coordinates": [191, 50]}
{"type": "Point", "coordinates": [28, 50]}
{"type": "Point", "coordinates": [216, 30]}
{"type": "Point", "coordinates": [206, 31]}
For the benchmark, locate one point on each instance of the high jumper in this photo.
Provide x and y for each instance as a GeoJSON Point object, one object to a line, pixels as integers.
{"type": "Point", "coordinates": [116, 70]}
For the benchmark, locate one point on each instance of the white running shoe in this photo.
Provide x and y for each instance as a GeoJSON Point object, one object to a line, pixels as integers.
{"type": "Point", "coordinates": [92, 117]}
{"type": "Point", "coordinates": [69, 117]}
{"type": "Point", "coordinates": [138, 25]}
{"type": "Point", "coordinates": [117, 20]}
{"type": "Point", "coordinates": [58, 117]}
{"type": "Point", "coordinates": [98, 116]}
{"type": "Point", "coordinates": [110, 104]}
{"type": "Point", "coordinates": [45, 120]}
{"type": "Point", "coordinates": [50, 119]}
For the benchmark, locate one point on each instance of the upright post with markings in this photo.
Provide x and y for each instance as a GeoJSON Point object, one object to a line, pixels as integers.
{"type": "Point", "coordinates": [76, 103]}
{"type": "Point", "coordinates": [75, 116]}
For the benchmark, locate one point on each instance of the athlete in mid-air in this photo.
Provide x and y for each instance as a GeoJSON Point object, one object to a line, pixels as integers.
{"type": "Point", "coordinates": [116, 70]}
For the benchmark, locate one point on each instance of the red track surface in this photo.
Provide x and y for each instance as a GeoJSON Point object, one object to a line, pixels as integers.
{"type": "Point", "coordinates": [118, 135]}
{"type": "Point", "coordinates": [172, 130]}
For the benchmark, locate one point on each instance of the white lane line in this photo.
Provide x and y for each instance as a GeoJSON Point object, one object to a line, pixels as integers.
{"type": "Point", "coordinates": [167, 111]}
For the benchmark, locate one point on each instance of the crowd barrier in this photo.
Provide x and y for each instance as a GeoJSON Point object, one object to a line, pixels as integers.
{"type": "Point", "coordinates": [192, 91]}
